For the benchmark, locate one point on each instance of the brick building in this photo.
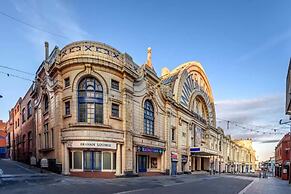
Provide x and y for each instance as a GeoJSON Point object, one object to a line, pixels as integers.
{"type": "Point", "coordinates": [3, 150]}
{"type": "Point", "coordinates": [282, 158]}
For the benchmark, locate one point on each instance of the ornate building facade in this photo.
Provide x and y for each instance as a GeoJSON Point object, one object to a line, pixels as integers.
{"type": "Point", "coordinates": [97, 113]}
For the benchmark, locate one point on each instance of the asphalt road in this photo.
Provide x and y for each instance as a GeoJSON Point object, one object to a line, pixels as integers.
{"type": "Point", "coordinates": [34, 182]}
{"type": "Point", "coordinates": [11, 167]}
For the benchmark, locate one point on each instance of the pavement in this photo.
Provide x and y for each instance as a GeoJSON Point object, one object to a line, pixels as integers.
{"type": "Point", "coordinates": [20, 178]}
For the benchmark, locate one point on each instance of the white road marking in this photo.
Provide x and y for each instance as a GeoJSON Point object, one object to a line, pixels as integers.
{"type": "Point", "coordinates": [247, 187]}
{"type": "Point", "coordinates": [24, 168]}
{"type": "Point", "coordinates": [131, 191]}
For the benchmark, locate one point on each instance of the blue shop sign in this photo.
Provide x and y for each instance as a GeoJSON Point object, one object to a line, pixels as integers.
{"type": "Point", "coordinates": [195, 150]}
{"type": "Point", "coordinates": [150, 149]}
{"type": "Point", "coordinates": [2, 150]}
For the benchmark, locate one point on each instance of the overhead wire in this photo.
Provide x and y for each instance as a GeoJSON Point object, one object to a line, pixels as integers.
{"type": "Point", "coordinates": [33, 26]}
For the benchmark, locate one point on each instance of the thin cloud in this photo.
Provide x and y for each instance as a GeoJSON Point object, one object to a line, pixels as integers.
{"type": "Point", "coordinates": [264, 47]}
{"type": "Point", "coordinates": [58, 19]}
{"type": "Point", "coordinates": [256, 114]}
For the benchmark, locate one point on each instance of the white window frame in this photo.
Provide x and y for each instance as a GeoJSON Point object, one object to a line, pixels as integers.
{"type": "Point", "coordinates": [73, 169]}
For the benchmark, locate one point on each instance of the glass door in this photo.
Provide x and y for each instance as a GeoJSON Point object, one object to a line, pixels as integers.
{"type": "Point", "coordinates": [142, 163]}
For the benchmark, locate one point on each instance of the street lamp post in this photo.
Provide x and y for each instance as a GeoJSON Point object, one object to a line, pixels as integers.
{"type": "Point", "coordinates": [288, 123]}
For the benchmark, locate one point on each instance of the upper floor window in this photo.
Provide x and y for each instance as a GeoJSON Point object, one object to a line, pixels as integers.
{"type": "Point", "coordinates": [23, 115]}
{"type": "Point", "coordinates": [148, 117]}
{"type": "Point", "coordinates": [173, 134]}
{"type": "Point", "coordinates": [67, 108]}
{"type": "Point", "coordinates": [114, 84]}
{"type": "Point", "coordinates": [90, 101]}
{"type": "Point", "coordinates": [115, 110]}
{"type": "Point", "coordinates": [46, 103]}
{"type": "Point", "coordinates": [67, 82]}
{"type": "Point", "coordinates": [29, 109]}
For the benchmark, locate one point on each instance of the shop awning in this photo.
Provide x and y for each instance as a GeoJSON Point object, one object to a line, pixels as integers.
{"type": "Point", "coordinates": [203, 151]}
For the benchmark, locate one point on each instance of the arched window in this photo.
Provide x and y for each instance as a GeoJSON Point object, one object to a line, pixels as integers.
{"type": "Point", "coordinates": [90, 101]}
{"type": "Point", "coordinates": [199, 107]}
{"type": "Point", "coordinates": [149, 117]}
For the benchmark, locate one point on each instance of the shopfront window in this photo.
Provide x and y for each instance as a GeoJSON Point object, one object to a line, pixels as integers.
{"type": "Point", "coordinates": [99, 161]}
{"type": "Point", "coordinates": [154, 163]}
{"type": "Point", "coordinates": [77, 162]}
{"type": "Point", "coordinates": [106, 160]}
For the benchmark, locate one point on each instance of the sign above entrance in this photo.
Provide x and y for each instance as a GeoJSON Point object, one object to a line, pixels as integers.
{"type": "Point", "coordinates": [203, 151]}
{"type": "Point", "coordinates": [150, 149]}
{"type": "Point", "coordinates": [91, 144]}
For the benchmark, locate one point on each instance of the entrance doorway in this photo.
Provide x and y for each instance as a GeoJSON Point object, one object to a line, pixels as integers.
{"type": "Point", "coordinates": [142, 163]}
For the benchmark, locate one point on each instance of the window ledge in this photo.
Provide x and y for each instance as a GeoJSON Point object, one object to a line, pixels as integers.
{"type": "Point", "coordinates": [116, 118]}
{"type": "Point", "coordinates": [115, 90]}
{"type": "Point", "coordinates": [150, 136]}
{"type": "Point", "coordinates": [67, 87]}
{"type": "Point", "coordinates": [45, 112]}
{"type": "Point", "coordinates": [67, 116]}
{"type": "Point", "coordinates": [83, 124]}
{"type": "Point", "coordinates": [46, 149]}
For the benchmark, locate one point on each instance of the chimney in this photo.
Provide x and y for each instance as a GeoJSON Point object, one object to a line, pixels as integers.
{"type": "Point", "coordinates": [46, 47]}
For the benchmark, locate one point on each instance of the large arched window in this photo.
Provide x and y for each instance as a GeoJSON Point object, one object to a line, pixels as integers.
{"type": "Point", "coordinates": [149, 117]}
{"type": "Point", "coordinates": [90, 101]}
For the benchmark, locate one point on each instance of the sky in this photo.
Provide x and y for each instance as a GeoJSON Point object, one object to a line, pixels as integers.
{"type": "Point", "coordinates": [244, 47]}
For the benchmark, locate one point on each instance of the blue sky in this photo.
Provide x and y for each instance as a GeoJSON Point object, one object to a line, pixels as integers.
{"type": "Point", "coordinates": [244, 46]}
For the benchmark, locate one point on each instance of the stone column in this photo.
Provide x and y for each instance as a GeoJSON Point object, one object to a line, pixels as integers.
{"type": "Point", "coordinates": [193, 163]}
{"type": "Point", "coordinates": [118, 160]}
{"type": "Point", "coordinates": [65, 163]}
{"type": "Point", "coordinates": [134, 159]}
{"type": "Point", "coordinates": [198, 163]}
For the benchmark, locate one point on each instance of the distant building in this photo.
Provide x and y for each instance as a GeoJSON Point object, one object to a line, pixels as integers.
{"type": "Point", "coordinates": [287, 148]}
{"type": "Point", "coordinates": [282, 158]}
{"type": "Point", "coordinates": [3, 150]}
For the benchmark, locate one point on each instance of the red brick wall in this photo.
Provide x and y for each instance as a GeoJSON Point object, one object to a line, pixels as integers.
{"type": "Point", "coordinates": [2, 134]}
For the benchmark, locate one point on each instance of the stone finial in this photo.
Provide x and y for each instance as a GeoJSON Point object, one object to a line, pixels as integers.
{"type": "Point", "coordinates": [149, 58]}
{"type": "Point", "coordinates": [165, 71]}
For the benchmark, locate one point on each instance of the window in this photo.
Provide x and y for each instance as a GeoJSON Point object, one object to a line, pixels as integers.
{"type": "Point", "coordinates": [23, 115]}
{"type": "Point", "coordinates": [29, 141]}
{"type": "Point", "coordinates": [114, 84]}
{"type": "Point", "coordinates": [106, 160]}
{"type": "Point", "coordinates": [29, 109]}
{"type": "Point", "coordinates": [148, 118]}
{"type": "Point", "coordinates": [154, 163]}
{"type": "Point", "coordinates": [115, 110]}
{"type": "Point", "coordinates": [46, 137]}
{"type": "Point", "coordinates": [67, 82]}
{"type": "Point", "coordinates": [90, 101]}
{"type": "Point", "coordinates": [23, 143]}
{"type": "Point", "coordinates": [173, 134]}
{"type": "Point", "coordinates": [52, 137]}
{"type": "Point", "coordinates": [46, 103]}
{"type": "Point", "coordinates": [67, 108]}
{"type": "Point", "coordinates": [40, 141]}
{"type": "Point", "coordinates": [77, 162]}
